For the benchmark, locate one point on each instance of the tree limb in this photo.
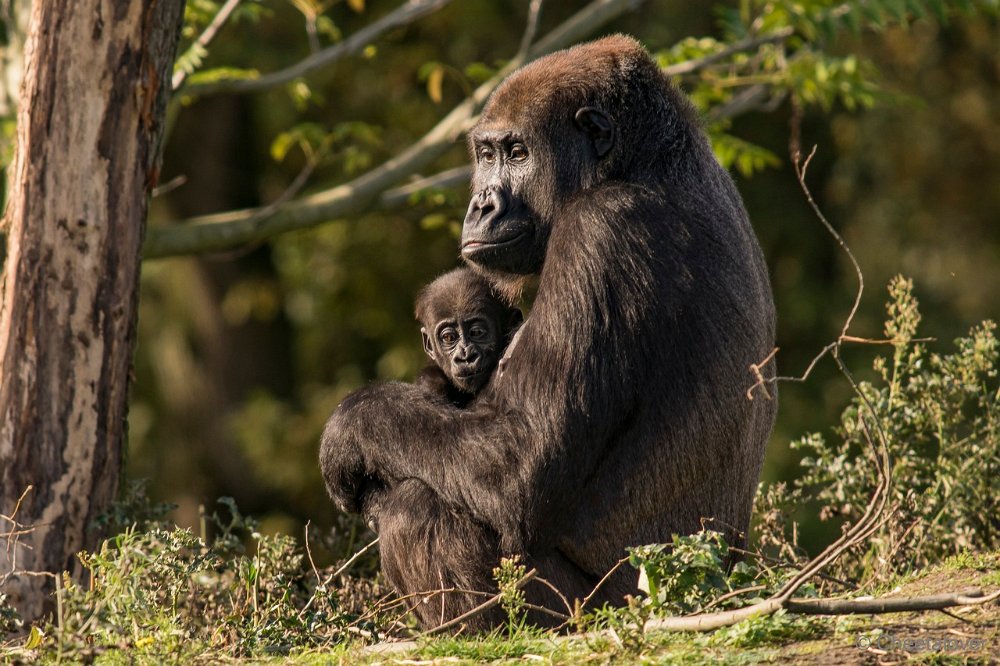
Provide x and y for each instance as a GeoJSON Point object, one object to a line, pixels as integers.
{"type": "Point", "coordinates": [223, 231]}
{"type": "Point", "coordinates": [405, 14]}
{"type": "Point", "coordinates": [889, 605]}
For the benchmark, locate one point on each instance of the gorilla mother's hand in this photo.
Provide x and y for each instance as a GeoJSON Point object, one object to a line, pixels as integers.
{"type": "Point", "coordinates": [365, 442]}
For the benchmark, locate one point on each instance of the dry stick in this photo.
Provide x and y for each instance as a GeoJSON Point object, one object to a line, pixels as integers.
{"type": "Point", "coordinates": [13, 536]}
{"type": "Point", "coordinates": [733, 593]}
{"type": "Point", "coordinates": [891, 605]}
{"type": "Point", "coordinates": [766, 560]}
{"type": "Point", "coordinates": [223, 231]}
{"type": "Point", "coordinates": [319, 579]}
{"type": "Point", "coordinates": [403, 15]}
{"type": "Point", "coordinates": [583, 604]}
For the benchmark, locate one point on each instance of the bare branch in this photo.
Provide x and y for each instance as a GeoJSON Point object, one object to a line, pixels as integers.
{"type": "Point", "coordinates": [224, 231]}
{"type": "Point", "coordinates": [399, 196]}
{"type": "Point", "coordinates": [889, 605]}
{"type": "Point", "coordinates": [405, 14]}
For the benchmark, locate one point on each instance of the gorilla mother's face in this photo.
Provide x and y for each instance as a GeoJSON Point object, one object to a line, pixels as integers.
{"type": "Point", "coordinates": [521, 181]}
{"type": "Point", "coordinates": [504, 230]}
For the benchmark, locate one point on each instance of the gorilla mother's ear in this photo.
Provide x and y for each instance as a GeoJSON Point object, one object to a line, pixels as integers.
{"type": "Point", "coordinates": [598, 126]}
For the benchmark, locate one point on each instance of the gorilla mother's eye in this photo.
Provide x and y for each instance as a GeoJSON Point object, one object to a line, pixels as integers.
{"type": "Point", "coordinates": [518, 152]}
{"type": "Point", "coordinates": [487, 155]}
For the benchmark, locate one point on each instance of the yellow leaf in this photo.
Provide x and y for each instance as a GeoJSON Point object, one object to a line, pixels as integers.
{"type": "Point", "coordinates": [434, 82]}
{"type": "Point", "coordinates": [357, 5]}
{"type": "Point", "coordinates": [34, 639]}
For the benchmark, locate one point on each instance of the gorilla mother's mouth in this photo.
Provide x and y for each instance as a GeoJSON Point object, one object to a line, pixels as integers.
{"type": "Point", "coordinates": [473, 246]}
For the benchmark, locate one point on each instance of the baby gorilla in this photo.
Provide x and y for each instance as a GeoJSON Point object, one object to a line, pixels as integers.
{"type": "Point", "coordinates": [465, 327]}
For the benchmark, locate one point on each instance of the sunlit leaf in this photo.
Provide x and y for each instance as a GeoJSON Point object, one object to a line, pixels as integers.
{"type": "Point", "coordinates": [435, 82]}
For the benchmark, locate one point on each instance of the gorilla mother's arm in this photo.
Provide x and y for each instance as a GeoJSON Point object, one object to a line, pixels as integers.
{"type": "Point", "coordinates": [471, 457]}
{"type": "Point", "coordinates": [546, 422]}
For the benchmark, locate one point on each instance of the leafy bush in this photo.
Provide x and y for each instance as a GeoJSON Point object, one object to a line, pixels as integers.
{"type": "Point", "coordinates": [939, 414]}
{"type": "Point", "coordinates": [692, 573]}
{"type": "Point", "coordinates": [166, 592]}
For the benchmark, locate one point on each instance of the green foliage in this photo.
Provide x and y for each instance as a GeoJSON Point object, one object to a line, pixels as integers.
{"type": "Point", "coordinates": [685, 575]}
{"type": "Point", "coordinates": [782, 49]}
{"type": "Point", "coordinates": [745, 156]}
{"type": "Point", "coordinates": [198, 14]}
{"type": "Point", "coordinates": [10, 621]}
{"type": "Point", "coordinates": [693, 572]}
{"type": "Point", "coordinates": [777, 628]}
{"type": "Point", "coordinates": [164, 593]}
{"type": "Point", "coordinates": [350, 144]}
{"type": "Point", "coordinates": [939, 415]}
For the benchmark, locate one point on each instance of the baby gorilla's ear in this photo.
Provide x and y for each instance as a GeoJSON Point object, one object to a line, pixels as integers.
{"type": "Point", "coordinates": [428, 343]}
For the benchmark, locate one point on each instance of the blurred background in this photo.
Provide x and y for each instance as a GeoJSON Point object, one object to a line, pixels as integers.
{"type": "Point", "coordinates": [243, 355]}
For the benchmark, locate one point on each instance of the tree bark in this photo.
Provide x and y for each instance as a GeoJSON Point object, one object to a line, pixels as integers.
{"type": "Point", "coordinates": [96, 81]}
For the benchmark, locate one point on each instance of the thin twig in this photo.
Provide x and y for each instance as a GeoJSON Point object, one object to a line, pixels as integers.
{"type": "Point", "coordinates": [801, 167]}
{"type": "Point", "coordinates": [204, 39]}
{"type": "Point", "coordinates": [558, 593]}
{"type": "Point", "coordinates": [480, 609]}
{"type": "Point", "coordinates": [733, 593]}
{"type": "Point", "coordinates": [347, 565]}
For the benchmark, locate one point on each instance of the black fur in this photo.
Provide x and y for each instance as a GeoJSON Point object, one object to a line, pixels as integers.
{"type": "Point", "coordinates": [621, 416]}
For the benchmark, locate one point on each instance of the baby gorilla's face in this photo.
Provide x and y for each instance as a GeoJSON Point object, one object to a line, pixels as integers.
{"type": "Point", "coordinates": [467, 348]}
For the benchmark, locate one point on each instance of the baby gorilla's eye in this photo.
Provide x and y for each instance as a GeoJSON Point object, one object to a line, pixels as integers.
{"type": "Point", "coordinates": [478, 333]}
{"type": "Point", "coordinates": [518, 152]}
{"type": "Point", "coordinates": [448, 336]}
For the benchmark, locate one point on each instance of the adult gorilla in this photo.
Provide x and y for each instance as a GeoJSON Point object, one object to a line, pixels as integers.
{"type": "Point", "coordinates": [621, 415]}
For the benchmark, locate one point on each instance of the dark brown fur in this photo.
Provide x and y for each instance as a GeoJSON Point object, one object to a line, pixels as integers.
{"type": "Point", "coordinates": [621, 417]}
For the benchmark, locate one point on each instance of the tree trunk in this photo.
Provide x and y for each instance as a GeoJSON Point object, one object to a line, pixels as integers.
{"type": "Point", "coordinates": [96, 81]}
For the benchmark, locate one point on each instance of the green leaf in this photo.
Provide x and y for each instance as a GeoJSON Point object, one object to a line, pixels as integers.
{"type": "Point", "coordinates": [745, 156]}
{"type": "Point", "coordinates": [479, 72]}
{"type": "Point", "coordinates": [34, 639]}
